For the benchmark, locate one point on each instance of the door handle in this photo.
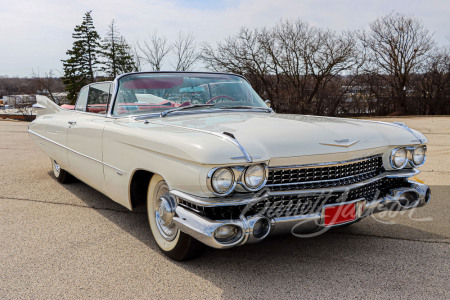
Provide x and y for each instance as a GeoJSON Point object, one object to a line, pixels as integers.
{"type": "Point", "coordinates": [72, 122]}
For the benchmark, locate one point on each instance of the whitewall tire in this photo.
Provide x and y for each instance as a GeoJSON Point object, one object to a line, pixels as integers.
{"type": "Point", "coordinates": [62, 175]}
{"type": "Point", "coordinates": [160, 211]}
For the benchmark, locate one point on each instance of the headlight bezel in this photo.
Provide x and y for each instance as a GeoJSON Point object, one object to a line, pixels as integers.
{"type": "Point", "coordinates": [409, 156]}
{"type": "Point", "coordinates": [211, 184]}
{"type": "Point", "coordinates": [249, 188]}
{"type": "Point", "coordinates": [412, 150]}
{"type": "Point", "coordinates": [239, 182]}
{"type": "Point", "coordinates": [391, 158]}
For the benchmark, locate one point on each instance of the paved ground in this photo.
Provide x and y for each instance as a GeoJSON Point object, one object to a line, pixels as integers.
{"type": "Point", "coordinates": [69, 241]}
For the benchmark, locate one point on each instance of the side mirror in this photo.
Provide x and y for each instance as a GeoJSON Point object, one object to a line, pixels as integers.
{"type": "Point", "coordinates": [268, 103]}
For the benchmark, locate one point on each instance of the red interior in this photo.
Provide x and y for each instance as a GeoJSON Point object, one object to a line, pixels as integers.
{"type": "Point", "coordinates": [154, 83]}
{"type": "Point", "coordinates": [101, 108]}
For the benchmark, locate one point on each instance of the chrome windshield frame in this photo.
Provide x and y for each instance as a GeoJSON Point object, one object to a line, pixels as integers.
{"type": "Point", "coordinates": [116, 86]}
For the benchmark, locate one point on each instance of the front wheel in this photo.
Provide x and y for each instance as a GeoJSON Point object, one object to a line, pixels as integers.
{"type": "Point", "coordinates": [62, 175]}
{"type": "Point", "coordinates": [160, 211]}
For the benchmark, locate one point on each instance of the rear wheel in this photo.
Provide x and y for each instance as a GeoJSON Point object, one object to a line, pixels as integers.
{"type": "Point", "coordinates": [62, 175]}
{"type": "Point", "coordinates": [161, 210]}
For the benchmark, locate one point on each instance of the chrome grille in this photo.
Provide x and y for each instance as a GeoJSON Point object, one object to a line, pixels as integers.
{"type": "Point", "coordinates": [311, 177]}
{"type": "Point", "coordinates": [291, 205]}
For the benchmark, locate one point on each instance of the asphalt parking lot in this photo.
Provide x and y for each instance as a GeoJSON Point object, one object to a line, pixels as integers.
{"type": "Point", "coordinates": [69, 241]}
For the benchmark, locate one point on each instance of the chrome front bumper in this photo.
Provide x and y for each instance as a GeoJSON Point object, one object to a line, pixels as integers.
{"type": "Point", "coordinates": [203, 229]}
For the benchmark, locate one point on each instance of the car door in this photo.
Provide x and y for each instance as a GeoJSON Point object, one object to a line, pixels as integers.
{"type": "Point", "coordinates": [85, 134]}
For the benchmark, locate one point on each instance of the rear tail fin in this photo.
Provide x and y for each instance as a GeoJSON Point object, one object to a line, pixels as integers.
{"type": "Point", "coordinates": [45, 106]}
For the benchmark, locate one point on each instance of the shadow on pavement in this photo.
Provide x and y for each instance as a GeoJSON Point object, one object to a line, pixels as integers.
{"type": "Point", "coordinates": [353, 258]}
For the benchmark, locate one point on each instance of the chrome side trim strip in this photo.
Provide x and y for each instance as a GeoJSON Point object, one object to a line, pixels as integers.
{"type": "Point", "coordinates": [243, 199]}
{"type": "Point", "coordinates": [119, 171]}
{"type": "Point", "coordinates": [234, 141]}
{"type": "Point", "coordinates": [217, 202]}
{"type": "Point", "coordinates": [326, 164]}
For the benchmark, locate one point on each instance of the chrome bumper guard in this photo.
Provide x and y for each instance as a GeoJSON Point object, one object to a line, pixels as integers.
{"type": "Point", "coordinates": [203, 229]}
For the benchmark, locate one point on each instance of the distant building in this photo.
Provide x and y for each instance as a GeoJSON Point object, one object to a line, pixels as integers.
{"type": "Point", "coordinates": [14, 100]}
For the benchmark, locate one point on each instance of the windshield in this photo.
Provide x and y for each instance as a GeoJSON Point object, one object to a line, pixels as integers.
{"type": "Point", "coordinates": [147, 93]}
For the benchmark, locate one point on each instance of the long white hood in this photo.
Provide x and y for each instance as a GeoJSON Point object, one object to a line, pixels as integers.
{"type": "Point", "coordinates": [268, 136]}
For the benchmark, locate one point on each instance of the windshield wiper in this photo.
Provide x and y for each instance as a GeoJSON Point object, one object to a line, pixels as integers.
{"type": "Point", "coordinates": [166, 112]}
{"type": "Point", "coordinates": [267, 109]}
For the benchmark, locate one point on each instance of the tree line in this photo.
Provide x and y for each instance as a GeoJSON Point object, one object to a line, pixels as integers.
{"type": "Point", "coordinates": [393, 67]}
{"type": "Point", "coordinates": [46, 84]}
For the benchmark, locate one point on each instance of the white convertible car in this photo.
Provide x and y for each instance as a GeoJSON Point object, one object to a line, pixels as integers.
{"type": "Point", "coordinates": [216, 166]}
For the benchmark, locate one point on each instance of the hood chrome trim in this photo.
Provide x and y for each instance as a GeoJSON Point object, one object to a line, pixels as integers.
{"type": "Point", "coordinates": [228, 138]}
{"type": "Point", "coordinates": [405, 127]}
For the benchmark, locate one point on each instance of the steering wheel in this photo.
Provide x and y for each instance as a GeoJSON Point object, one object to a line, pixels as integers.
{"type": "Point", "coordinates": [221, 96]}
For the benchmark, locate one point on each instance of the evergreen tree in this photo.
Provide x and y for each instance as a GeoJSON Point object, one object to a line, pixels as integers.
{"type": "Point", "coordinates": [116, 53]}
{"type": "Point", "coordinates": [79, 68]}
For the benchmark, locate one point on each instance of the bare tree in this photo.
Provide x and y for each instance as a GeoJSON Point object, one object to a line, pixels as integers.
{"type": "Point", "coordinates": [397, 46]}
{"type": "Point", "coordinates": [185, 50]}
{"type": "Point", "coordinates": [49, 84]}
{"type": "Point", "coordinates": [154, 50]}
{"type": "Point", "coordinates": [432, 86]}
{"type": "Point", "coordinates": [311, 57]}
{"type": "Point", "coordinates": [244, 54]}
{"type": "Point", "coordinates": [291, 61]}
{"type": "Point", "coordinates": [136, 57]}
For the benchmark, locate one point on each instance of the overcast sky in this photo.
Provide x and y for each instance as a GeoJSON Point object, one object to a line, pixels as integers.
{"type": "Point", "coordinates": [34, 35]}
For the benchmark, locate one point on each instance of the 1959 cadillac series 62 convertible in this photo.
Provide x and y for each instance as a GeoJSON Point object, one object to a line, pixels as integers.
{"type": "Point", "coordinates": [216, 166]}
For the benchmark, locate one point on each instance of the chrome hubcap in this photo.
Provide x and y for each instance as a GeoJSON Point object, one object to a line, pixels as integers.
{"type": "Point", "coordinates": [164, 213]}
{"type": "Point", "coordinates": [57, 168]}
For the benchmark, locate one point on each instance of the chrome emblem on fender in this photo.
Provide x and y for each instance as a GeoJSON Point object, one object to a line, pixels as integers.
{"type": "Point", "coordinates": [341, 143]}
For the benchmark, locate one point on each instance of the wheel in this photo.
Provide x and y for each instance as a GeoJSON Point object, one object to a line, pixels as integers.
{"type": "Point", "coordinates": [62, 175]}
{"type": "Point", "coordinates": [160, 211]}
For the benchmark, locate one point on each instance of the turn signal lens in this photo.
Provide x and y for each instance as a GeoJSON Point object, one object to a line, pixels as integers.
{"type": "Point", "coordinates": [227, 233]}
{"type": "Point", "coordinates": [261, 228]}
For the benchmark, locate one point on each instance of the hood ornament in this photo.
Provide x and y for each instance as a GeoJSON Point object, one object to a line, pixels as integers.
{"type": "Point", "coordinates": [341, 143]}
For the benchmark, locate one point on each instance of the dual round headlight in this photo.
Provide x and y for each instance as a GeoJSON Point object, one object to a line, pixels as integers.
{"type": "Point", "coordinates": [222, 180]}
{"type": "Point", "coordinates": [251, 178]}
{"type": "Point", "coordinates": [399, 157]}
{"type": "Point", "coordinates": [418, 156]}
{"type": "Point", "coordinates": [254, 176]}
